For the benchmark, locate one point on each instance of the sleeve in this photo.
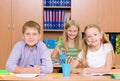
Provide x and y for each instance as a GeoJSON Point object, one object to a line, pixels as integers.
{"type": "Point", "coordinates": [108, 47]}
{"type": "Point", "coordinates": [47, 66]}
{"type": "Point", "coordinates": [13, 58]}
{"type": "Point", "coordinates": [80, 54]}
{"type": "Point", "coordinates": [59, 42]}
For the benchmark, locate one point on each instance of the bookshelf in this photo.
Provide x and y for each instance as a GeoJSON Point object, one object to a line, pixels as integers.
{"type": "Point", "coordinates": [103, 13]}
{"type": "Point", "coordinates": [114, 38]}
{"type": "Point", "coordinates": [55, 14]}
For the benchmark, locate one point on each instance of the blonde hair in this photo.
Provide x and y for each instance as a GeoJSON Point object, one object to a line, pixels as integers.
{"type": "Point", "coordinates": [85, 44]}
{"type": "Point", "coordinates": [78, 37]}
{"type": "Point", "coordinates": [31, 24]}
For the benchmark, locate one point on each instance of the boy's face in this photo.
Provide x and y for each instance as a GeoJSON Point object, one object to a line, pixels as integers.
{"type": "Point", "coordinates": [31, 36]}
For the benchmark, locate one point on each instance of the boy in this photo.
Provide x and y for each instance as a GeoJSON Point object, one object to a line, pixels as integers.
{"type": "Point", "coordinates": [30, 55]}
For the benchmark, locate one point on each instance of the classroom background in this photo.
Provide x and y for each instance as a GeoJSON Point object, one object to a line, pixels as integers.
{"type": "Point", "coordinates": [52, 15]}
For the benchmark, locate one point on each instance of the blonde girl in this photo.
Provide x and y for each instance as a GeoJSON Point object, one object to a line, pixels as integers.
{"type": "Point", "coordinates": [97, 53]}
{"type": "Point", "coordinates": [70, 43]}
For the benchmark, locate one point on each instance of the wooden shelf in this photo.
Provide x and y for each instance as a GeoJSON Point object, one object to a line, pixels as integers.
{"type": "Point", "coordinates": [53, 30]}
{"type": "Point", "coordinates": [52, 34]}
{"type": "Point", "coordinates": [64, 7]}
{"type": "Point", "coordinates": [59, 12]}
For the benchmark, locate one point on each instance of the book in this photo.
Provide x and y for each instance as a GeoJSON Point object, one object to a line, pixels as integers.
{"type": "Point", "coordinates": [68, 3]}
{"type": "Point", "coordinates": [115, 76]}
{"type": "Point", "coordinates": [96, 74]}
{"type": "Point", "coordinates": [53, 19]}
{"type": "Point", "coordinates": [57, 20]}
{"type": "Point", "coordinates": [4, 72]}
{"type": "Point", "coordinates": [66, 17]}
{"type": "Point", "coordinates": [62, 20]}
{"type": "Point", "coordinates": [44, 2]}
{"type": "Point", "coordinates": [112, 38]}
{"type": "Point", "coordinates": [45, 20]}
{"type": "Point", "coordinates": [117, 46]}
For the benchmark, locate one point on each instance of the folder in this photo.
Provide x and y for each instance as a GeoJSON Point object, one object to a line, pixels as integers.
{"type": "Point", "coordinates": [4, 72]}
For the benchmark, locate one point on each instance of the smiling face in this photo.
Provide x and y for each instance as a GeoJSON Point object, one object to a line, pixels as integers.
{"type": "Point", "coordinates": [93, 37]}
{"type": "Point", "coordinates": [31, 36]}
{"type": "Point", "coordinates": [72, 32]}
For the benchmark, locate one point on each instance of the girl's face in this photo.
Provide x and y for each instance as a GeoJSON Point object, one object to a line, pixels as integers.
{"type": "Point", "coordinates": [31, 36]}
{"type": "Point", "coordinates": [93, 37]}
{"type": "Point", "coordinates": [72, 32]}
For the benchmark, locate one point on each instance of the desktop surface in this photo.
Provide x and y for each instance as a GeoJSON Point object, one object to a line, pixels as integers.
{"type": "Point", "coordinates": [58, 77]}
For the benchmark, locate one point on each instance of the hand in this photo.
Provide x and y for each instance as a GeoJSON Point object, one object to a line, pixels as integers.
{"type": "Point", "coordinates": [71, 60]}
{"type": "Point", "coordinates": [86, 71]}
{"type": "Point", "coordinates": [36, 69]}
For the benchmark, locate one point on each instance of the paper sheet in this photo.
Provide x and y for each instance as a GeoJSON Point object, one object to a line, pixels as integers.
{"type": "Point", "coordinates": [27, 75]}
{"type": "Point", "coordinates": [93, 74]}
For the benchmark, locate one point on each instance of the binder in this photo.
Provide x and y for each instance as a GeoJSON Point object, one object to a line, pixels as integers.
{"type": "Point", "coordinates": [45, 21]}
{"type": "Point", "coordinates": [117, 44]}
{"type": "Point", "coordinates": [112, 39]}
{"type": "Point", "coordinates": [4, 72]}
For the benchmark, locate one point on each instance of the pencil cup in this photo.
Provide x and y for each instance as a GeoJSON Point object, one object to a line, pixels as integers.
{"type": "Point", "coordinates": [66, 70]}
{"type": "Point", "coordinates": [62, 58]}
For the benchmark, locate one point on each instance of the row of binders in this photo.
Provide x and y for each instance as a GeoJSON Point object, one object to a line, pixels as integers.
{"type": "Point", "coordinates": [115, 40]}
{"type": "Point", "coordinates": [66, 3]}
{"type": "Point", "coordinates": [55, 19]}
{"type": "Point", "coordinates": [113, 37]}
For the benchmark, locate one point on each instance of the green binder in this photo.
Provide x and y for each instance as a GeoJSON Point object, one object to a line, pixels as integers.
{"type": "Point", "coordinates": [117, 46]}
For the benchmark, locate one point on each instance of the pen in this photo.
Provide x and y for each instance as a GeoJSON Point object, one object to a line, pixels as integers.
{"type": "Point", "coordinates": [32, 65]}
{"type": "Point", "coordinates": [41, 60]}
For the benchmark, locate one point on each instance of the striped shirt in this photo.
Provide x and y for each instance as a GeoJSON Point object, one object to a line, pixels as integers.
{"type": "Point", "coordinates": [72, 51]}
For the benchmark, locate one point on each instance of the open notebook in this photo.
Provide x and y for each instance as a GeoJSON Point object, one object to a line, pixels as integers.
{"type": "Point", "coordinates": [96, 74]}
{"type": "Point", "coordinates": [112, 72]}
{"type": "Point", "coordinates": [29, 75]}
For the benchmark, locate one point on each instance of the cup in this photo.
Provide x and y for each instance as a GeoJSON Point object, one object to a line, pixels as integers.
{"type": "Point", "coordinates": [62, 58]}
{"type": "Point", "coordinates": [66, 70]}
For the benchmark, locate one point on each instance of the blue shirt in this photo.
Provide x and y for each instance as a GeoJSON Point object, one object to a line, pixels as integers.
{"type": "Point", "coordinates": [22, 56]}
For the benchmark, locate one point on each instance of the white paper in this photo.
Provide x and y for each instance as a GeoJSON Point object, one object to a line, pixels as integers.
{"type": "Point", "coordinates": [93, 74]}
{"type": "Point", "coordinates": [27, 75]}
{"type": "Point", "coordinates": [97, 74]}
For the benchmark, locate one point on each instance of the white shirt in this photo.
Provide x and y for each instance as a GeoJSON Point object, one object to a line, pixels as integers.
{"type": "Point", "coordinates": [98, 58]}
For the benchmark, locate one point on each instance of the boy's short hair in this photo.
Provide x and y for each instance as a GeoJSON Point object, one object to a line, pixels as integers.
{"type": "Point", "coordinates": [31, 24]}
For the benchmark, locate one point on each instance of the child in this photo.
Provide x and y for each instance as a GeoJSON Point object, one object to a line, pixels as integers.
{"type": "Point", "coordinates": [97, 53]}
{"type": "Point", "coordinates": [30, 55]}
{"type": "Point", "coordinates": [70, 44]}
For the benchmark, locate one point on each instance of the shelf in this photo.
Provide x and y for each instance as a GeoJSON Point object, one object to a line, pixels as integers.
{"type": "Point", "coordinates": [112, 32]}
{"type": "Point", "coordinates": [52, 35]}
{"type": "Point", "coordinates": [59, 7]}
{"type": "Point", "coordinates": [53, 30]}
{"type": "Point", "coordinates": [55, 15]}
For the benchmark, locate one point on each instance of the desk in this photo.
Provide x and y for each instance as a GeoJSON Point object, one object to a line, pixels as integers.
{"type": "Point", "coordinates": [59, 77]}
